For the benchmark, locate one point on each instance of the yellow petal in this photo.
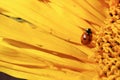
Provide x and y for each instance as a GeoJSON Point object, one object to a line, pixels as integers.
{"type": "Point", "coordinates": [41, 40]}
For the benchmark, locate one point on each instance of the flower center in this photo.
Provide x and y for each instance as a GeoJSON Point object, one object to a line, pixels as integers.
{"type": "Point", "coordinates": [108, 45]}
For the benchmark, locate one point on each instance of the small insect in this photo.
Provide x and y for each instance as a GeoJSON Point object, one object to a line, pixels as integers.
{"type": "Point", "coordinates": [86, 37]}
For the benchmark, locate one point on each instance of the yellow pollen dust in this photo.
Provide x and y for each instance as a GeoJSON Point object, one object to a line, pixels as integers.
{"type": "Point", "coordinates": [108, 44]}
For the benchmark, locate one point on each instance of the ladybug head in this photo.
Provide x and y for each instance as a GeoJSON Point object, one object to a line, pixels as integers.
{"type": "Point", "coordinates": [89, 31]}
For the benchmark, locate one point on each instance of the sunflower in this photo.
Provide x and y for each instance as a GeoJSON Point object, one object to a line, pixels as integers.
{"type": "Point", "coordinates": [41, 39]}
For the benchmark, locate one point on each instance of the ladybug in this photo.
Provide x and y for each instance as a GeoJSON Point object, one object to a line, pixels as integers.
{"type": "Point", "coordinates": [86, 37]}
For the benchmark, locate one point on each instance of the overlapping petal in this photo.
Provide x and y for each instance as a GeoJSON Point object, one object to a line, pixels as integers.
{"type": "Point", "coordinates": [46, 45]}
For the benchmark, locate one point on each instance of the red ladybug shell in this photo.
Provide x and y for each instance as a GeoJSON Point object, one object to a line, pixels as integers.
{"type": "Point", "coordinates": [86, 38]}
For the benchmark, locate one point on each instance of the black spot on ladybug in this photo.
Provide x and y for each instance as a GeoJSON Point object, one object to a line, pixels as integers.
{"type": "Point", "coordinates": [86, 37]}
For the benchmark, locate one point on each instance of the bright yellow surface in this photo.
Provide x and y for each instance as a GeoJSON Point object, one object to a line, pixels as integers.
{"type": "Point", "coordinates": [47, 45]}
